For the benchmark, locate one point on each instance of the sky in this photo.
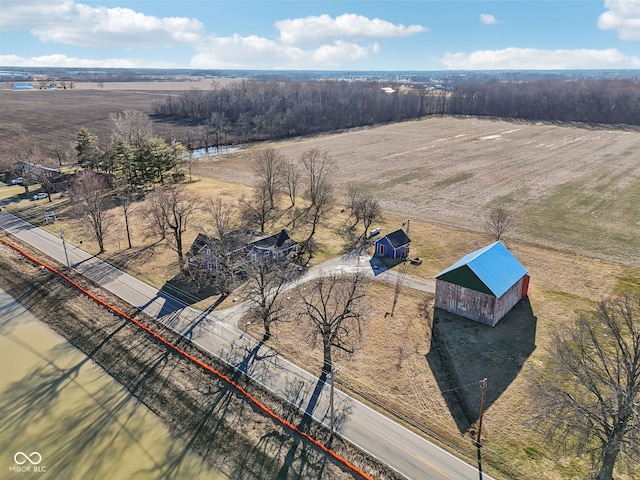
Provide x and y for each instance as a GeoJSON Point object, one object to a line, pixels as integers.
{"type": "Point", "coordinates": [356, 35]}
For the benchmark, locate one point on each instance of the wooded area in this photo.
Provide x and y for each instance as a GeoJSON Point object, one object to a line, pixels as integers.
{"type": "Point", "coordinates": [253, 110]}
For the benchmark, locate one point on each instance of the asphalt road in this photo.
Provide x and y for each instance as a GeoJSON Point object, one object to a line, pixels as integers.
{"type": "Point", "coordinates": [409, 454]}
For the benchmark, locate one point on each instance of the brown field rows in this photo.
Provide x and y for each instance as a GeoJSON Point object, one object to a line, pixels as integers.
{"type": "Point", "coordinates": [52, 118]}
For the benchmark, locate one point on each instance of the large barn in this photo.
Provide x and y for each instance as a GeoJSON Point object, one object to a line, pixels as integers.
{"type": "Point", "coordinates": [483, 285]}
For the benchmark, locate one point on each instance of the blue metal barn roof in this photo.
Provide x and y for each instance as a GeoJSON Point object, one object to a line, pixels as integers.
{"type": "Point", "coordinates": [494, 265]}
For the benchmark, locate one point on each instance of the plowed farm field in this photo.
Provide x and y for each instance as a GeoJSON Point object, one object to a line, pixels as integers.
{"type": "Point", "coordinates": [570, 187]}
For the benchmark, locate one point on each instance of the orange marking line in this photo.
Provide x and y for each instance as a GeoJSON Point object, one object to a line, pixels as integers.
{"type": "Point", "coordinates": [209, 368]}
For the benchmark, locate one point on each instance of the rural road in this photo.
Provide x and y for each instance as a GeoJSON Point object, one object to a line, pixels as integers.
{"type": "Point", "coordinates": [409, 454]}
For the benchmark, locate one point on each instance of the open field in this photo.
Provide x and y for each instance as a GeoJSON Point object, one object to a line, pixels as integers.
{"type": "Point", "coordinates": [51, 119]}
{"type": "Point", "coordinates": [571, 188]}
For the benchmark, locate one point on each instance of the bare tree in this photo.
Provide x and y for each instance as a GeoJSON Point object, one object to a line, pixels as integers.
{"type": "Point", "coordinates": [319, 190]}
{"type": "Point", "coordinates": [228, 266]}
{"type": "Point", "coordinates": [363, 209]}
{"type": "Point", "coordinates": [25, 171]}
{"type": "Point", "coordinates": [223, 216]}
{"type": "Point", "coordinates": [256, 210]}
{"type": "Point", "coordinates": [171, 209]}
{"type": "Point", "coordinates": [22, 155]}
{"type": "Point", "coordinates": [63, 153]}
{"type": "Point", "coordinates": [125, 196]}
{"type": "Point", "coordinates": [132, 126]}
{"type": "Point", "coordinates": [91, 195]}
{"type": "Point", "coordinates": [268, 168]}
{"type": "Point", "coordinates": [188, 159]}
{"type": "Point", "coordinates": [43, 177]}
{"type": "Point", "coordinates": [332, 306]}
{"type": "Point", "coordinates": [498, 221]}
{"type": "Point", "coordinates": [290, 180]}
{"type": "Point", "coordinates": [219, 126]}
{"type": "Point", "coordinates": [267, 281]}
{"type": "Point", "coordinates": [589, 394]}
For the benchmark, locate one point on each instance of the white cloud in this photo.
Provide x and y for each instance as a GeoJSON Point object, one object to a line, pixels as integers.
{"type": "Point", "coordinates": [79, 24]}
{"type": "Point", "coordinates": [313, 42]}
{"type": "Point", "coordinates": [316, 30]}
{"type": "Point", "coordinates": [260, 53]}
{"type": "Point", "coordinates": [488, 19]}
{"type": "Point", "coordinates": [622, 16]}
{"type": "Point", "coordinates": [318, 42]}
{"type": "Point", "coordinates": [64, 61]}
{"type": "Point", "coordinates": [534, 59]}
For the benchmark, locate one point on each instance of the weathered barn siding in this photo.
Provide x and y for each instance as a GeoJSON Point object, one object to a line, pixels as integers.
{"type": "Point", "coordinates": [465, 302]}
{"type": "Point", "coordinates": [474, 305]}
{"type": "Point", "coordinates": [508, 300]}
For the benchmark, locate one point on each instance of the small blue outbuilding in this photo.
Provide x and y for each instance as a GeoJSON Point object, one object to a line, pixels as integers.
{"type": "Point", "coordinates": [393, 245]}
{"type": "Point", "coordinates": [483, 285]}
{"type": "Point", "coordinates": [22, 86]}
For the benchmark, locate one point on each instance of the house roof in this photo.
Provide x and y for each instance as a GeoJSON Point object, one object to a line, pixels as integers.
{"type": "Point", "coordinates": [397, 239]}
{"type": "Point", "coordinates": [279, 241]}
{"type": "Point", "coordinates": [241, 240]}
{"type": "Point", "coordinates": [492, 269]}
{"type": "Point", "coordinates": [233, 241]}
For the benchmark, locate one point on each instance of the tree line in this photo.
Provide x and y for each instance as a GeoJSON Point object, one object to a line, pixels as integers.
{"type": "Point", "coordinates": [259, 110]}
{"type": "Point", "coordinates": [602, 101]}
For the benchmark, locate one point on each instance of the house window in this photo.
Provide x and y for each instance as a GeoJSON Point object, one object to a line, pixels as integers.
{"type": "Point", "coordinates": [381, 248]}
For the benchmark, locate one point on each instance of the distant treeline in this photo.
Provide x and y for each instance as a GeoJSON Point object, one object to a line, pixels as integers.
{"type": "Point", "coordinates": [259, 110]}
{"type": "Point", "coordinates": [603, 101]}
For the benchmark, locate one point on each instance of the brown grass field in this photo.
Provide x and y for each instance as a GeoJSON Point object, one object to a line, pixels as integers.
{"type": "Point", "coordinates": [576, 195]}
{"type": "Point", "coordinates": [51, 118]}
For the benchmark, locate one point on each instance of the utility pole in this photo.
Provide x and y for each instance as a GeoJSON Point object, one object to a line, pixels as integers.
{"type": "Point", "coordinates": [330, 380]}
{"type": "Point", "coordinates": [64, 246]}
{"type": "Point", "coordinates": [402, 270]}
{"type": "Point", "coordinates": [484, 391]}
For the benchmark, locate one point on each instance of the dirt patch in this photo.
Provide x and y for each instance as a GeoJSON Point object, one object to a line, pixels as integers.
{"type": "Point", "coordinates": [212, 418]}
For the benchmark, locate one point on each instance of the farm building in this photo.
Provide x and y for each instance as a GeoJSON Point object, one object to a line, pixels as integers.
{"type": "Point", "coordinates": [240, 246]}
{"type": "Point", "coordinates": [22, 86]}
{"type": "Point", "coordinates": [393, 245]}
{"type": "Point", "coordinates": [483, 285]}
